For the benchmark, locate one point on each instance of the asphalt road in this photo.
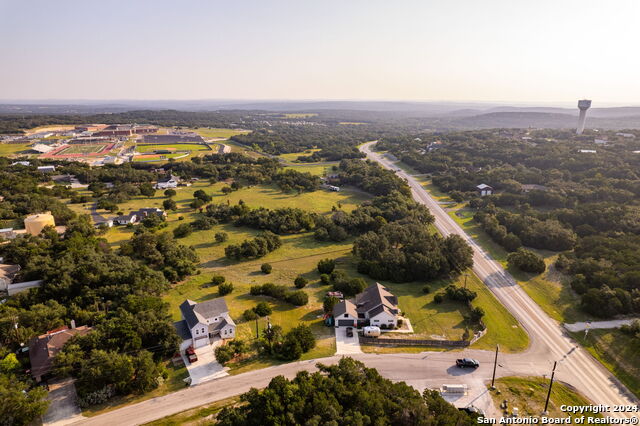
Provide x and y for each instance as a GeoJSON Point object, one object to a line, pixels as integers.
{"type": "Point", "coordinates": [549, 343]}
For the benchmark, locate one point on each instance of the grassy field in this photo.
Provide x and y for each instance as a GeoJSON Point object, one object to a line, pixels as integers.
{"type": "Point", "coordinates": [293, 156]}
{"type": "Point", "coordinates": [82, 149]}
{"type": "Point", "coordinates": [299, 256]}
{"type": "Point", "coordinates": [177, 147]}
{"type": "Point", "coordinates": [219, 133]}
{"type": "Point", "coordinates": [616, 351]}
{"type": "Point", "coordinates": [528, 394]}
{"type": "Point", "coordinates": [7, 149]}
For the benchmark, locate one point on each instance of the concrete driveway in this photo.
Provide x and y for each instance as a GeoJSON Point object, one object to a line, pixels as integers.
{"type": "Point", "coordinates": [206, 367]}
{"type": "Point", "coordinates": [347, 345]}
{"type": "Point", "coordinates": [64, 404]}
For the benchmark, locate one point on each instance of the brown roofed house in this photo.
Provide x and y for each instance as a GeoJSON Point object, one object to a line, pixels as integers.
{"type": "Point", "coordinates": [43, 349]}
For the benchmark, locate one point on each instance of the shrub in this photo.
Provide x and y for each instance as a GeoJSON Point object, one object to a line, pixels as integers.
{"type": "Point", "coordinates": [217, 279]}
{"type": "Point", "coordinates": [383, 326]}
{"type": "Point", "coordinates": [426, 289]}
{"type": "Point", "coordinates": [180, 217]}
{"type": "Point", "coordinates": [300, 282]}
{"type": "Point", "coordinates": [250, 315]}
{"type": "Point", "coordinates": [350, 287]}
{"type": "Point", "coordinates": [266, 268]}
{"type": "Point", "coordinates": [460, 294]}
{"type": "Point", "coordinates": [225, 288]}
{"type": "Point", "coordinates": [183, 230]}
{"type": "Point", "coordinates": [170, 193]}
{"type": "Point", "coordinates": [325, 279]}
{"type": "Point", "coordinates": [204, 223]}
{"type": "Point", "coordinates": [326, 266]}
{"type": "Point", "coordinates": [438, 298]}
{"type": "Point", "coordinates": [328, 303]}
{"type": "Point", "coordinates": [297, 298]}
{"type": "Point", "coordinates": [221, 237]}
{"type": "Point", "coordinates": [262, 309]}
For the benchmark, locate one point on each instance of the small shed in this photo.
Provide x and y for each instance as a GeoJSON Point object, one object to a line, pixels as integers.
{"type": "Point", "coordinates": [484, 189]}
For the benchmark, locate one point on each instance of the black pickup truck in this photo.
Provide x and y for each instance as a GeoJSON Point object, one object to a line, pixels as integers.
{"type": "Point", "coordinates": [467, 362]}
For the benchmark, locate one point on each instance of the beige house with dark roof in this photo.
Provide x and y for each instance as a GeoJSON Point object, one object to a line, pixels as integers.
{"type": "Point", "coordinates": [374, 306]}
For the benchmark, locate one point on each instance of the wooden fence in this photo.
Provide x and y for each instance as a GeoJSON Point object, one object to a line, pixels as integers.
{"type": "Point", "coordinates": [377, 341]}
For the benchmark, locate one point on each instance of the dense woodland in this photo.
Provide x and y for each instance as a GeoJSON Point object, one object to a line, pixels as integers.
{"type": "Point", "coordinates": [343, 394]}
{"type": "Point", "coordinates": [550, 196]}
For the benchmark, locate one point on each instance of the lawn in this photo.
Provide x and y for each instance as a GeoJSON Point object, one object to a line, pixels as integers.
{"type": "Point", "coordinates": [160, 157]}
{"type": "Point", "coordinates": [177, 147]}
{"type": "Point", "coordinates": [446, 321]}
{"type": "Point", "coordinates": [618, 352]}
{"type": "Point", "coordinates": [219, 133]}
{"type": "Point", "coordinates": [528, 394]}
{"type": "Point", "coordinates": [82, 149]}
{"type": "Point", "coordinates": [7, 149]}
{"type": "Point", "coordinates": [293, 156]}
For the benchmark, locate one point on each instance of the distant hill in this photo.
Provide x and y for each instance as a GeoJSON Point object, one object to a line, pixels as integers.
{"type": "Point", "coordinates": [544, 120]}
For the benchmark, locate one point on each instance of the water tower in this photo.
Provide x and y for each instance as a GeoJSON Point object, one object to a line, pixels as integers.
{"type": "Point", "coordinates": [583, 106]}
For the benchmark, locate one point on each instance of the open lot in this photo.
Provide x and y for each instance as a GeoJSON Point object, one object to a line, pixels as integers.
{"type": "Point", "coordinates": [8, 149]}
{"type": "Point", "coordinates": [219, 132]}
{"type": "Point", "coordinates": [528, 394]}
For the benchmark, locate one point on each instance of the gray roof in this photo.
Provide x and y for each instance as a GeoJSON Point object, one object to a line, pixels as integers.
{"type": "Point", "coordinates": [193, 312]}
{"type": "Point", "coordinates": [345, 307]}
{"type": "Point", "coordinates": [182, 329]}
{"type": "Point", "coordinates": [374, 296]}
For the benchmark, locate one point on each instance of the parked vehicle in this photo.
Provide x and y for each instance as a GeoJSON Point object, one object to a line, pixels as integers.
{"type": "Point", "coordinates": [349, 331]}
{"type": "Point", "coordinates": [467, 362]}
{"type": "Point", "coordinates": [191, 354]}
{"type": "Point", "coordinates": [371, 331]}
{"type": "Point", "coordinates": [337, 294]}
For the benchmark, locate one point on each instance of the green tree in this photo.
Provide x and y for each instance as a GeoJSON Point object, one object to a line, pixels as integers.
{"type": "Point", "coordinates": [20, 404]}
{"type": "Point", "coordinates": [266, 268]}
{"type": "Point", "coordinates": [326, 266]}
{"type": "Point", "coordinates": [170, 192]}
{"type": "Point", "coordinates": [225, 288]}
{"type": "Point", "coordinates": [169, 204]}
{"type": "Point", "coordinates": [147, 190]}
{"type": "Point", "coordinates": [300, 282]}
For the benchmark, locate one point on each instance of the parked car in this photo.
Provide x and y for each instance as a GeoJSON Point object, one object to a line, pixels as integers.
{"type": "Point", "coordinates": [349, 331]}
{"type": "Point", "coordinates": [467, 362]}
{"type": "Point", "coordinates": [191, 354]}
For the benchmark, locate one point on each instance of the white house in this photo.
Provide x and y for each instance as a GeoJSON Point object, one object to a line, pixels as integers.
{"type": "Point", "coordinates": [374, 306]}
{"type": "Point", "coordinates": [46, 169]}
{"type": "Point", "coordinates": [203, 321]}
{"type": "Point", "coordinates": [167, 182]}
{"type": "Point", "coordinates": [125, 219]}
{"type": "Point", "coordinates": [484, 189]}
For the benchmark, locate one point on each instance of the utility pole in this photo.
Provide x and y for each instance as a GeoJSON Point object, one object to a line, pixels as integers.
{"type": "Point", "coordinates": [465, 280]}
{"type": "Point", "coordinates": [495, 364]}
{"type": "Point", "coordinates": [553, 373]}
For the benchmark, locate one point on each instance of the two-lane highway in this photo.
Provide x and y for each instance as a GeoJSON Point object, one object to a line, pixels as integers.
{"type": "Point", "coordinates": [549, 342]}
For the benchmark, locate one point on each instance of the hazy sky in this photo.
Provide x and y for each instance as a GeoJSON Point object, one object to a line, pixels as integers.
{"type": "Point", "coordinates": [483, 50]}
